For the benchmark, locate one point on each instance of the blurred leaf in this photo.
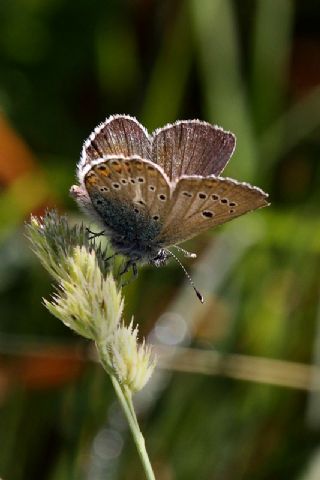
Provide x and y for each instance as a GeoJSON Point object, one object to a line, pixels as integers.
{"type": "Point", "coordinates": [167, 84]}
{"type": "Point", "coordinates": [217, 41]}
{"type": "Point", "coordinates": [271, 45]}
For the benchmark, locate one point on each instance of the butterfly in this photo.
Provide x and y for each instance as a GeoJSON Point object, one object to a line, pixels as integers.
{"type": "Point", "coordinates": [151, 192]}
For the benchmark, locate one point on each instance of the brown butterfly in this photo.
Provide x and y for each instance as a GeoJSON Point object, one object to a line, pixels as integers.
{"type": "Point", "coordinates": [150, 192]}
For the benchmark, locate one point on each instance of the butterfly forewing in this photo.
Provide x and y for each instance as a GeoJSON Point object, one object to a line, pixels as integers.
{"type": "Point", "coordinates": [201, 203]}
{"type": "Point", "coordinates": [192, 147]}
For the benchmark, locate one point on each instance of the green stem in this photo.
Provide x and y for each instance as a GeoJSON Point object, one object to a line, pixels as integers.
{"type": "Point", "coordinates": [125, 400]}
{"type": "Point", "coordinates": [128, 396]}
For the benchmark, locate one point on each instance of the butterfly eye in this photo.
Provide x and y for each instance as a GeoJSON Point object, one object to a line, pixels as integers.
{"type": "Point", "coordinates": [132, 180]}
{"type": "Point", "coordinates": [104, 189]}
{"type": "Point", "coordinates": [141, 180]}
{"type": "Point", "coordinates": [116, 186]}
{"type": "Point", "coordinates": [141, 202]}
{"type": "Point", "coordinates": [136, 210]}
{"type": "Point", "coordinates": [155, 217]}
{"type": "Point", "coordinates": [207, 214]}
{"type": "Point", "coordinates": [215, 197]}
{"type": "Point", "coordinates": [152, 188]}
{"type": "Point", "coordinates": [232, 204]}
{"type": "Point", "coordinates": [224, 200]}
{"type": "Point", "coordinates": [202, 195]}
{"type": "Point", "coordinates": [162, 197]}
{"type": "Point", "coordinates": [231, 211]}
{"type": "Point", "coordinates": [124, 181]}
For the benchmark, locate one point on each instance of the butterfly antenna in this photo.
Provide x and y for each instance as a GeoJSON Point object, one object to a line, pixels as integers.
{"type": "Point", "coordinates": [187, 275]}
{"type": "Point", "coordinates": [185, 252]}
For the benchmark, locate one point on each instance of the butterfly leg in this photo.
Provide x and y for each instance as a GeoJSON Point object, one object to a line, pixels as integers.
{"type": "Point", "coordinates": [128, 264]}
{"type": "Point", "coordinates": [135, 270]}
{"type": "Point", "coordinates": [126, 267]}
{"type": "Point", "coordinates": [111, 256]}
{"type": "Point", "coordinates": [94, 234]}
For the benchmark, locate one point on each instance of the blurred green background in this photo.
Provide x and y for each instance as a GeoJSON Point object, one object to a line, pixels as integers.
{"type": "Point", "coordinates": [238, 392]}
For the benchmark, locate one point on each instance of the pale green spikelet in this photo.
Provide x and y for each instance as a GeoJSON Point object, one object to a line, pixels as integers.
{"type": "Point", "coordinates": [133, 363]}
{"type": "Point", "coordinates": [85, 300]}
{"type": "Point", "coordinates": [53, 241]}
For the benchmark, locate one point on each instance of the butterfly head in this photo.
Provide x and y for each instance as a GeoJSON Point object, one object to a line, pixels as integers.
{"type": "Point", "coordinates": [160, 259]}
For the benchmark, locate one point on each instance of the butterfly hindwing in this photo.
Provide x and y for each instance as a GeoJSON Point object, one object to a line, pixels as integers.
{"type": "Point", "coordinates": [200, 203]}
{"type": "Point", "coordinates": [192, 147]}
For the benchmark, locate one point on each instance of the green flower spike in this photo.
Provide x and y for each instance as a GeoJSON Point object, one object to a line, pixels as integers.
{"type": "Point", "coordinates": [88, 300]}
